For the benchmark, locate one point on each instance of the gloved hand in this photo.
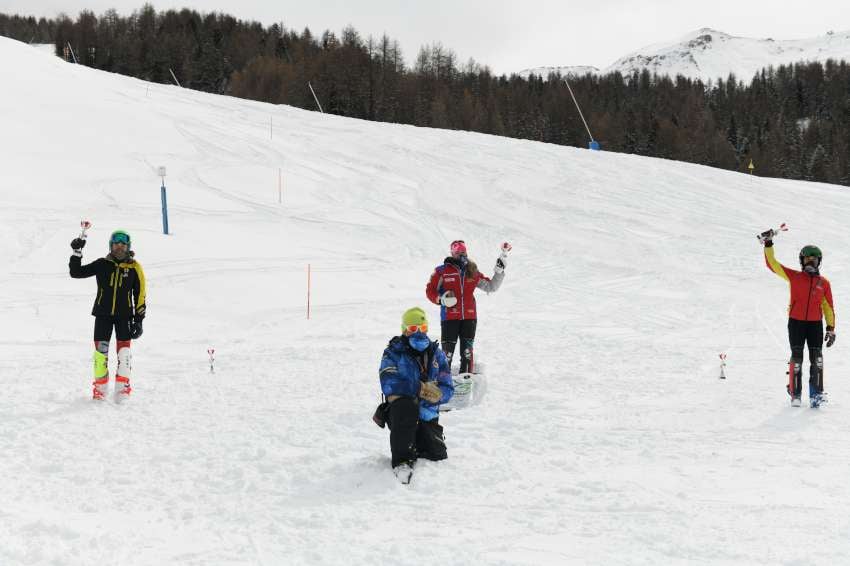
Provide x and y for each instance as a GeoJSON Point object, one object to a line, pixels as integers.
{"type": "Point", "coordinates": [77, 244]}
{"type": "Point", "coordinates": [829, 337]}
{"type": "Point", "coordinates": [135, 328]}
{"type": "Point", "coordinates": [448, 299]}
{"type": "Point", "coordinates": [429, 391]}
{"type": "Point", "coordinates": [766, 237]}
{"type": "Point", "coordinates": [500, 265]}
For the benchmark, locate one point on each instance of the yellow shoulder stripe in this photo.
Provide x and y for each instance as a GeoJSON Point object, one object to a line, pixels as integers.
{"type": "Point", "coordinates": [142, 285]}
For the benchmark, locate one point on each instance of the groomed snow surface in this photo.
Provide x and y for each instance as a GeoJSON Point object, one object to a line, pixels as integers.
{"type": "Point", "coordinates": [605, 436]}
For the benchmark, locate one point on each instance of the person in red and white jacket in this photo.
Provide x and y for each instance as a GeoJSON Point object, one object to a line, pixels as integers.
{"type": "Point", "coordinates": [452, 286]}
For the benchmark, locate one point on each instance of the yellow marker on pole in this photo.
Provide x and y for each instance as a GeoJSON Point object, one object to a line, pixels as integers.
{"type": "Point", "coordinates": [751, 166]}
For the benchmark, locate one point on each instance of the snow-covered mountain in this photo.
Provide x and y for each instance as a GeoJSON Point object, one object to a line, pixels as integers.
{"type": "Point", "coordinates": [708, 54]}
{"type": "Point", "coordinates": [604, 437]}
{"type": "Point", "coordinates": [575, 71]}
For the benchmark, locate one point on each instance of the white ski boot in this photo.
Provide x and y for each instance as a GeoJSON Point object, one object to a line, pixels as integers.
{"type": "Point", "coordinates": [404, 472]}
{"type": "Point", "coordinates": [122, 375]}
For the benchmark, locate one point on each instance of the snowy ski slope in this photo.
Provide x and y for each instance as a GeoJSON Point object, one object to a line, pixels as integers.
{"type": "Point", "coordinates": [605, 437]}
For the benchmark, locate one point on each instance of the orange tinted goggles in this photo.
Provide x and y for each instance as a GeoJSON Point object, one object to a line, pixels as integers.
{"type": "Point", "coordinates": [417, 328]}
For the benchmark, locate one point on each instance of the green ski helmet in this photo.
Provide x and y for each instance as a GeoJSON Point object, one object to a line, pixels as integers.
{"type": "Point", "coordinates": [810, 251]}
{"type": "Point", "coordinates": [414, 317]}
{"type": "Point", "coordinates": [119, 237]}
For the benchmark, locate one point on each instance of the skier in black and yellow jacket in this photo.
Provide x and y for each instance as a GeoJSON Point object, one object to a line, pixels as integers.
{"type": "Point", "coordinates": [119, 304]}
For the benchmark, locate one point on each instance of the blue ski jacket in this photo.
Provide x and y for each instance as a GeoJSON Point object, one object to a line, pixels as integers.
{"type": "Point", "coordinates": [403, 369]}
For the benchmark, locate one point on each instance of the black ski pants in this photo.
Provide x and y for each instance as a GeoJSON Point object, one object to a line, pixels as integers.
{"type": "Point", "coordinates": [464, 330]}
{"type": "Point", "coordinates": [800, 334]}
{"type": "Point", "coordinates": [103, 326]}
{"type": "Point", "coordinates": [411, 438]}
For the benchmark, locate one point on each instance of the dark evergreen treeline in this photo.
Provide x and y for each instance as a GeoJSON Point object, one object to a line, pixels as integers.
{"type": "Point", "coordinates": [792, 122]}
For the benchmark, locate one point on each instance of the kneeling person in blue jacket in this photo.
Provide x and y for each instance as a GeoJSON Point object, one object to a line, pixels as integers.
{"type": "Point", "coordinates": [415, 378]}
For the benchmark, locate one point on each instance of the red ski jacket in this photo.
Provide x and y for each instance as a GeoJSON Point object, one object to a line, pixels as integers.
{"type": "Point", "coordinates": [452, 276]}
{"type": "Point", "coordinates": [811, 295]}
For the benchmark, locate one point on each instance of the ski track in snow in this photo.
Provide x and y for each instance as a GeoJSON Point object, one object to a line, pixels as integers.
{"type": "Point", "coordinates": [605, 436]}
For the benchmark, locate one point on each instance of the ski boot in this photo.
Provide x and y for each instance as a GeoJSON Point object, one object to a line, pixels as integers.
{"type": "Point", "coordinates": [794, 375]}
{"type": "Point", "coordinates": [122, 375]}
{"type": "Point", "coordinates": [816, 398]}
{"type": "Point", "coordinates": [404, 472]}
{"type": "Point", "coordinates": [101, 375]}
{"type": "Point", "coordinates": [122, 388]}
{"type": "Point", "coordinates": [99, 388]}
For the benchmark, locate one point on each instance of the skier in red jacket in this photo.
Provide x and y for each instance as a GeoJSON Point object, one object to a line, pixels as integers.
{"type": "Point", "coordinates": [811, 302]}
{"type": "Point", "coordinates": [452, 286]}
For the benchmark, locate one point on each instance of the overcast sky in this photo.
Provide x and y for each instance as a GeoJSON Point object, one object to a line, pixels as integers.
{"type": "Point", "coordinates": [510, 35]}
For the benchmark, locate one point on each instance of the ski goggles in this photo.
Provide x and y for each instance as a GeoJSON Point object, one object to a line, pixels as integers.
{"type": "Point", "coordinates": [413, 328]}
{"type": "Point", "coordinates": [120, 239]}
{"type": "Point", "coordinates": [458, 247]}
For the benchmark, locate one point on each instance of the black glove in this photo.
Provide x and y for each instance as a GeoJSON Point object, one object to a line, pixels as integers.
{"type": "Point", "coordinates": [766, 237]}
{"type": "Point", "coordinates": [77, 244]}
{"type": "Point", "coordinates": [500, 265]}
{"type": "Point", "coordinates": [382, 414]}
{"type": "Point", "coordinates": [135, 328]}
{"type": "Point", "coordinates": [829, 338]}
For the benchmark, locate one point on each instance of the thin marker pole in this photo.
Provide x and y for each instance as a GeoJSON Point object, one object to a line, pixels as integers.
{"type": "Point", "coordinates": [579, 109]}
{"type": "Point", "coordinates": [71, 49]}
{"type": "Point", "coordinates": [316, 98]}
{"type": "Point", "coordinates": [173, 76]}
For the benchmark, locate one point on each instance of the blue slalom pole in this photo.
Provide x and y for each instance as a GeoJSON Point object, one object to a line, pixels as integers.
{"type": "Point", "coordinates": [164, 209]}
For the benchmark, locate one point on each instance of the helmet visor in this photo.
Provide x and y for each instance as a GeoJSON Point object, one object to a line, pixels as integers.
{"type": "Point", "coordinates": [120, 238]}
